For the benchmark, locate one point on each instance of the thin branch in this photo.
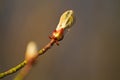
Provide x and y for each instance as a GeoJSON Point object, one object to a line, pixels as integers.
{"type": "Point", "coordinates": [66, 21]}
{"type": "Point", "coordinates": [13, 70]}
{"type": "Point", "coordinates": [22, 64]}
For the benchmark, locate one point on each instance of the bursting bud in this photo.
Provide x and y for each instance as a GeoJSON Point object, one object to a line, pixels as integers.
{"type": "Point", "coordinates": [66, 21]}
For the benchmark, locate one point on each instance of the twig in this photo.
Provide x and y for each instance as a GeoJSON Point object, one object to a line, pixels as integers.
{"type": "Point", "coordinates": [22, 64]}
{"type": "Point", "coordinates": [66, 21]}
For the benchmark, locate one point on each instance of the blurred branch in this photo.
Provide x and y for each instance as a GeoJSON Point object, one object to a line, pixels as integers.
{"type": "Point", "coordinates": [22, 64]}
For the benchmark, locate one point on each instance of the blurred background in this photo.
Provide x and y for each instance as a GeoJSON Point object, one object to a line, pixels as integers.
{"type": "Point", "coordinates": [90, 51]}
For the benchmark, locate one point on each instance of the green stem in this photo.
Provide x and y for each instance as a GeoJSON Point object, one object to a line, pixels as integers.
{"type": "Point", "coordinates": [13, 70]}
{"type": "Point", "coordinates": [22, 64]}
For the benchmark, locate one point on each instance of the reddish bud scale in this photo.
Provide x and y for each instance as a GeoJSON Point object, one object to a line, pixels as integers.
{"type": "Point", "coordinates": [57, 34]}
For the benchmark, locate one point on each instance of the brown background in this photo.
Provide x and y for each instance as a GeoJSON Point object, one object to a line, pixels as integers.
{"type": "Point", "coordinates": [90, 51]}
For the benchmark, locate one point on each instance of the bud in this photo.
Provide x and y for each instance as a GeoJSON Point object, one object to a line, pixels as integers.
{"type": "Point", "coordinates": [66, 20]}
{"type": "Point", "coordinates": [31, 52]}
